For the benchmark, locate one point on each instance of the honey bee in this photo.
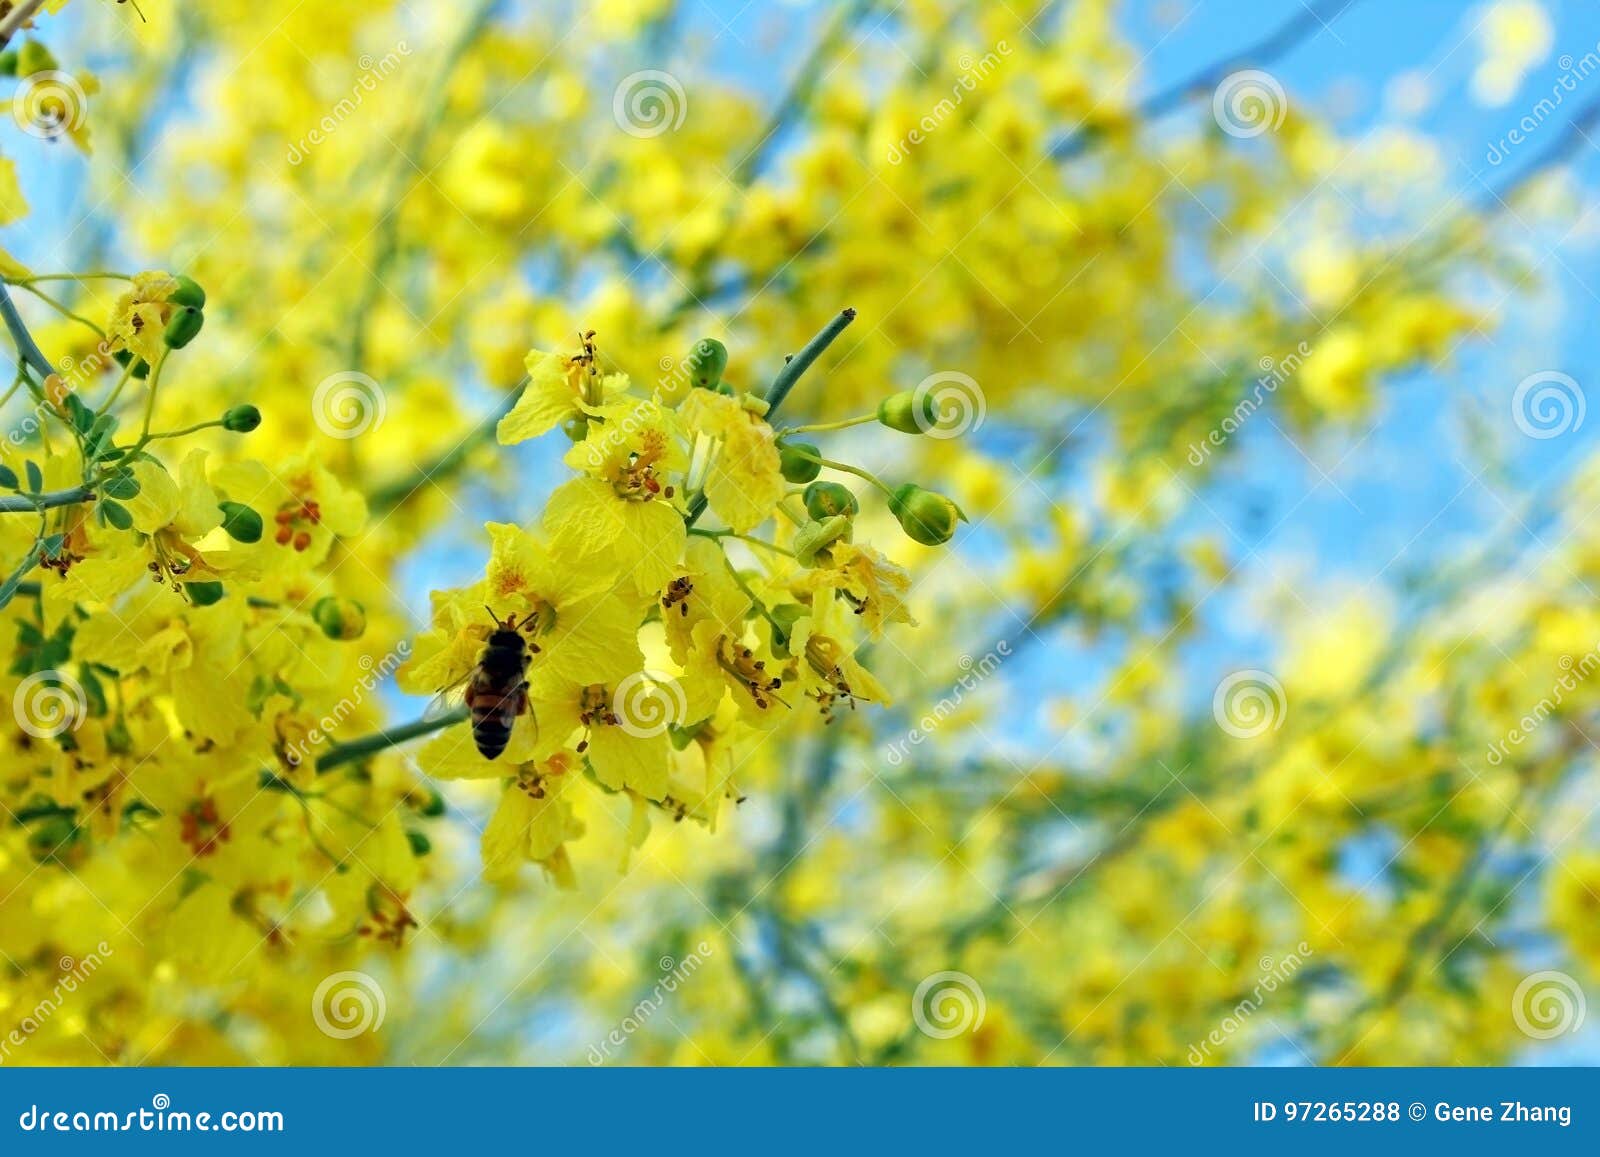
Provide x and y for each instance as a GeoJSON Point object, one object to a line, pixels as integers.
{"type": "Point", "coordinates": [497, 688]}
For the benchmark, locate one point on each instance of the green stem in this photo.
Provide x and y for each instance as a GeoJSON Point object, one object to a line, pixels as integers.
{"type": "Point", "coordinates": [31, 502]}
{"type": "Point", "coordinates": [751, 539]}
{"type": "Point", "coordinates": [848, 469]}
{"type": "Point", "coordinates": [60, 307]}
{"type": "Point", "coordinates": [116, 390]}
{"type": "Point", "coordinates": [150, 402]}
{"type": "Point", "coordinates": [32, 356]}
{"type": "Point", "coordinates": [824, 427]}
{"type": "Point", "coordinates": [96, 275]}
{"type": "Point", "coordinates": [358, 749]}
{"type": "Point", "coordinates": [198, 426]}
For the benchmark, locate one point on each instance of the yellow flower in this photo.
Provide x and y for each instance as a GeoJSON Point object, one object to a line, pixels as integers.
{"type": "Point", "coordinates": [874, 587]}
{"type": "Point", "coordinates": [743, 480]}
{"type": "Point", "coordinates": [621, 519]}
{"type": "Point", "coordinates": [624, 737]}
{"type": "Point", "coordinates": [533, 823]}
{"type": "Point", "coordinates": [141, 314]}
{"type": "Point", "coordinates": [560, 387]}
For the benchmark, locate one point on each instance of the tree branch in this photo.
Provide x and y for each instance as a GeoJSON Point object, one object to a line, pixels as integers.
{"type": "Point", "coordinates": [16, 18]}
{"type": "Point", "coordinates": [27, 349]}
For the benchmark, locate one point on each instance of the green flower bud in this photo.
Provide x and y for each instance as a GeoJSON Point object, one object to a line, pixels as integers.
{"type": "Point", "coordinates": [815, 537]}
{"type": "Point", "coordinates": [576, 429]}
{"type": "Point", "coordinates": [340, 618]}
{"type": "Point", "coordinates": [188, 293]}
{"type": "Point", "coordinates": [798, 461]}
{"type": "Point", "coordinates": [141, 368]}
{"type": "Point", "coordinates": [204, 594]}
{"type": "Point", "coordinates": [706, 362]}
{"type": "Point", "coordinates": [903, 412]}
{"type": "Point", "coordinates": [241, 523]}
{"type": "Point", "coordinates": [420, 844]}
{"type": "Point", "coordinates": [784, 617]}
{"type": "Point", "coordinates": [926, 517]}
{"type": "Point", "coordinates": [183, 326]}
{"type": "Point", "coordinates": [8, 62]}
{"type": "Point", "coordinates": [241, 419]}
{"type": "Point", "coordinates": [34, 57]}
{"type": "Point", "coordinates": [825, 499]}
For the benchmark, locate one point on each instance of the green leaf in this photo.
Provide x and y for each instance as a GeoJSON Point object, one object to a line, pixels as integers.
{"type": "Point", "coordinates": [35, 476]}
{"type": "Point", "coordinates": [8, 478]}
{"type": "Point", "coordinates": [121, 485]}
{"type": "Point", "coordinates": [116, 514]}
{"type": "Point", "coordinates": [82, 416]}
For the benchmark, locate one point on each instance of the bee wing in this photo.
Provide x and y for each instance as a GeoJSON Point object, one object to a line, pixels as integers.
{"type": "Point", "coordinates": [449, 698]}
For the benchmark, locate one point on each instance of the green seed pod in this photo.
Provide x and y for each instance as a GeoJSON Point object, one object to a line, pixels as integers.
{"type": "Point", "coordinates": [432, 803]}
{"type": "Point", "coordinates": [340, 618]}
{"type": "Point", "coordinates": [8, 62]}
{"type": "Point", "coordinates": [241, 419]}
{"type": "Point", "coordinates": [183, 326]}
{"type": "Point", "coordinates": [141, 368]}
{"type": "Point", "coordinates": [903, 412]}
{"type": "Point", "coordinates": [798, 461]}
{"type": "Point", "coordinates": [204, 594]}
{"type": "Point", "coordinates": [421, 845]}
{"type": "Point", "coordinates": [706, 362]}
{"type": "Point", "coordinates": [926, 517]}
{"type": "Point", "coordinates": [825, 499]}
{"type": "Point", "coordinates": [188, 293]}
{"type": "Point", "coordinates": [34, 57]}
{"type": "Point", "coordinates": [241, 523]}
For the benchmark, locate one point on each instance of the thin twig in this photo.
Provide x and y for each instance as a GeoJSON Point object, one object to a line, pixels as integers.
{"type": "Point", "coordinates": [16, 18]}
